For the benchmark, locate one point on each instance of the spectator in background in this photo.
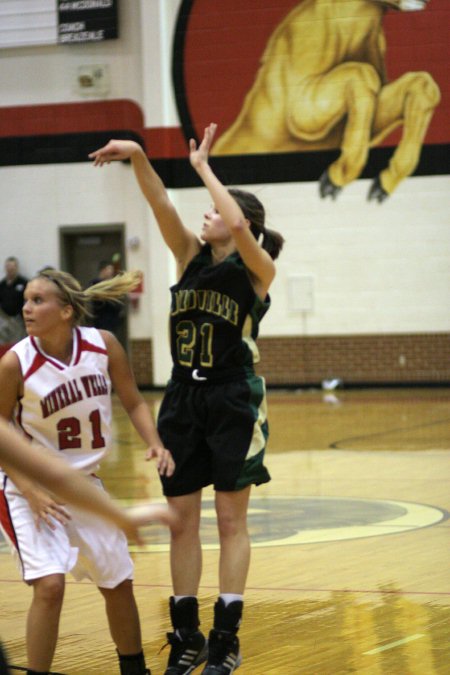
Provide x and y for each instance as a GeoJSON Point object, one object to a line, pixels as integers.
{"type": "Point", "coordinates": [106, 315]}
{"type": "Point", "coordinates": [12, 286]}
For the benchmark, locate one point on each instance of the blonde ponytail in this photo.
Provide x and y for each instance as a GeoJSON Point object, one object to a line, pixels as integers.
{"type": "Point", "coordinates": [71, 293]}
{"type": "Point", "coordinates": [115, 288]}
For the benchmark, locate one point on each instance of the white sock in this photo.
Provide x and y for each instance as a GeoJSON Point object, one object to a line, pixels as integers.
{"type": "Point", "coordinates": [177, 598]}
{"type": "Point", "coordinates": [231, 597]}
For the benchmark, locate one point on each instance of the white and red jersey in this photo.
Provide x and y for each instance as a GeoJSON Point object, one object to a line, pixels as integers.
{"type": "Point", "coordinates": [67, 407]}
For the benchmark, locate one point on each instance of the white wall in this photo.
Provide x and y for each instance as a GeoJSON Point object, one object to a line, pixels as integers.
{"type": "Point", "coordinates": [38, 200]}
{"type": "Point", "coordinates": [38, 75]}
{"type": "Point", "coordinates": [374, 268]}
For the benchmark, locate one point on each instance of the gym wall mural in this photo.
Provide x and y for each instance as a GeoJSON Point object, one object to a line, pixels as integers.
{"type": "Point", "coordinates": [326, 90]}
{"type": "Point", "coordinates": [308, 90]}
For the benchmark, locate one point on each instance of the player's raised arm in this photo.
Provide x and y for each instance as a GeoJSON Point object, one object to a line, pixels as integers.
{"type": "Point", "coordinates": [256, 259]}
{"type": "Point", "coordinates": [181, 241]}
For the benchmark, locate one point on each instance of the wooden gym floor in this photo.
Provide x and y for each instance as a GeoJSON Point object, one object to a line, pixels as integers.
{"type": "Point", "coordinates": [350, 564]}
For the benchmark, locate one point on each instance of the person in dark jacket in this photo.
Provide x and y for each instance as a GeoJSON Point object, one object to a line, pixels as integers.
{"type": "Point", "coordinates": [106, 315]}
{"type": "Point", "coordinates": [12, 286]}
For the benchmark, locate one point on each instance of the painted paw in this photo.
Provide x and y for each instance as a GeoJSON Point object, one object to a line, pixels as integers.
{"type": "Point", "coordinates": [376, 192]}
{"type": "Point", "coordinates": [327, 188]}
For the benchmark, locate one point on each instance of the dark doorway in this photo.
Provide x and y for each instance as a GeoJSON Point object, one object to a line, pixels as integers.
{"type": "Point", "coordinates": [83, 247]}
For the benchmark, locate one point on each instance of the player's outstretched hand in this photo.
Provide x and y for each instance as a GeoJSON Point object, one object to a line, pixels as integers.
{"type": "Point", "coordinates": [113, 151]}
{"type": "Point", "coordinates": [199, 155]}
{"type": "Point", "coordinates": [164, 460]}
{"type": "Point", "coordinates": [146, 514]}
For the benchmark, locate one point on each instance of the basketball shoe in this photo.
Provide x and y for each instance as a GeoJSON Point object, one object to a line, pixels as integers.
{"type": "Point", "coordinates": [223, 644]}
{"type": "Point", "coordinates": [188, 646]}
{"type": "Point", "coordinates": [186, 652]}
{"type": "Point", "coordinates": [223, 653]}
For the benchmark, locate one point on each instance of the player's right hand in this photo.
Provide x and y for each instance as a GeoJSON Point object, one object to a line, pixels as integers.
{"type": "Point", "coordinates": [114, 150]}
{"type": "Point", "coordinates": [45, 508]}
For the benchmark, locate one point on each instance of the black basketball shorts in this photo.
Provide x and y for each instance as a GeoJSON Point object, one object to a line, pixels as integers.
{"type": "Point", "coordinates": [217, 434]}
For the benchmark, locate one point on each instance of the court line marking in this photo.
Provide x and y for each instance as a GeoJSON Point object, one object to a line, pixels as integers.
{"type": "Point", "coordinates": [269, 589]}
{"type": "Point", "coordinates": [415, 516]}
{"type": "Point", "coordinates": [397, 643]}
{"type": "Point", "coordinates": [337, 445]}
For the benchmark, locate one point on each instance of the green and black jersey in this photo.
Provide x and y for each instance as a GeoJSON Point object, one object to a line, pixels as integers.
{"type": "Point", "coordinates": [214, 320]}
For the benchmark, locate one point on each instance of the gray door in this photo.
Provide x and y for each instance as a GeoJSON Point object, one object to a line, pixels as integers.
{"type": "Point", "coordinates": [84, 247]}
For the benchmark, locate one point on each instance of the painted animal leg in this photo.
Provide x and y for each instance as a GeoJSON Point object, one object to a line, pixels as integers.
{"type": "Point", "coordinates": [410, 101]}
{"type": "Point", "coordinates": [349, 91]}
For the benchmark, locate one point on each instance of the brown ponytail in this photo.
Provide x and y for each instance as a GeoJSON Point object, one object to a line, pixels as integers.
{"type": "Point", "coordinates": [254, 211]}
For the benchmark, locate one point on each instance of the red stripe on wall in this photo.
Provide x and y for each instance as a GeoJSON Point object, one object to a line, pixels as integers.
{"type": "Point", "coordinates": [70, 118]}
{"type": "Point", "coordinates": [63, 118]}
{"type": "Point", "coordinates": [165, 142]}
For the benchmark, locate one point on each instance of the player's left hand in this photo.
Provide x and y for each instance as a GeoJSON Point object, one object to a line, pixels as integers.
{"type": "Point", "coordinates": [199, 155]}
{"type": "Point", "coordinates": [164, 460]}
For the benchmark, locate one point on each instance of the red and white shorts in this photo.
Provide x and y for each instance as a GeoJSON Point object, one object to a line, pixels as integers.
{"type": "Point", "coordinates": [87, 547]}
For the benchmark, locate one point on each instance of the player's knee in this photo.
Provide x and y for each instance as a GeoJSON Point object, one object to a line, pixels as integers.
{"type": "Point", "coordinates": [50, 590]}
{"type": "Point", "coordinates": [185, 524]}
{"type": "Point", "coordinates": [228, 525]}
